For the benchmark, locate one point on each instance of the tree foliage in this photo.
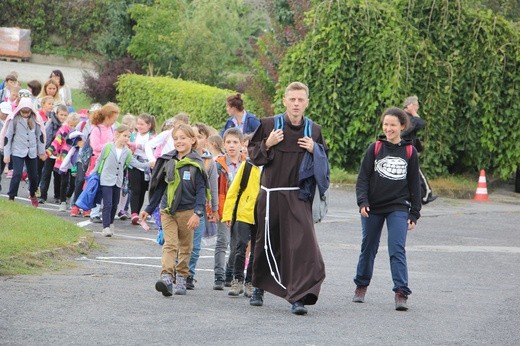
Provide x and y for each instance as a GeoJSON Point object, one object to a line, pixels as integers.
{"type": "Point", "coordinates": [361, 57]}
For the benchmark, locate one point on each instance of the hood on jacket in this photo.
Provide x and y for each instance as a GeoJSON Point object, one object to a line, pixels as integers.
{"type": "Point", "coordinates": [25, 102]}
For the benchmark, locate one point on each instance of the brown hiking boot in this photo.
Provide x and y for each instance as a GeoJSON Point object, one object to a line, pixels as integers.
{"type": "Point", "coordinates": [237, 288]}
{"type": "Point", "coordinates": [400, 301]}
{"type": "Point", "coordinates": [359, 294]}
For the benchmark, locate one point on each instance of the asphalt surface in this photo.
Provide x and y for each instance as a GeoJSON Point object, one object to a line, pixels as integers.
{"type": "Point", "coordinates": [29, 71]}
{"type": "Point", "coordinates": [463, 266]}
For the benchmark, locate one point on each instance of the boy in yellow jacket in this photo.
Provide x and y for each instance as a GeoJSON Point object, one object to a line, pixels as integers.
{"type": "Point", "coordinates": [239, 215]}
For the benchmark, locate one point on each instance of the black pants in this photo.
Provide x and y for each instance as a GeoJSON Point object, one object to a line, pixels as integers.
{"type": "Point", "coordinates": [32, 172]}
{"type": "Point", "coordinates": [66, 186]}
{"type": "Point", "coordinates": [242, 232]}
{"type": "Point", "coordinates": [138, 187]}
{"type": "Point", "coordinates": [2, 167]}
{"type": "Point", "coordinates": [110, 196]}
{"type": "Point", "coordinates": [45, 181]}
{"type": "Point", "coordinates": [40, 169]}
{"type": "Point", "coordinates": [79, 181]}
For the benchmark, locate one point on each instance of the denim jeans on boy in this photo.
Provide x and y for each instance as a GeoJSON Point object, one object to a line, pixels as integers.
{"type": "Point", "coordinates": [197, 239]}
{"type": "Point", "coordinates": [221, 247]}
{"type": "Point", "coordinates": [110, 196]}
{"type": "Point", "coordinates": [32, 173]}
{"type": "Point", "coordinates": [230, 264]}
{"type": "Point", "coordinates": [397, 225]}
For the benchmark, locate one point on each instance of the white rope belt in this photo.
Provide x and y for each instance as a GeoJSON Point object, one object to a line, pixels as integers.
{"type": "Point", "coordinates": [267, 237]}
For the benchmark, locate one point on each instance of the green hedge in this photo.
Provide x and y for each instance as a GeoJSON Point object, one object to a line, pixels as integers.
{"type": "Point", "coordinates": [164, 97]}
{"type": "Point", "coordinates": [362, 56]}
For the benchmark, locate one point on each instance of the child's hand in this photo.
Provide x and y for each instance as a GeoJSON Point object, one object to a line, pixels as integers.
{"type": "Point", "coordinates": [43, 157]}
{"type": "Point", "coordinates": [132, 146]}
{"type": "Point", "coordinates": [80, 144]}
{"type": "Point", "coordinates": [151, 164]}
{"type": "Point", "coordinates": [213, 217]}
{"type": "Point", "coordinates": [143, 215]}
{"type": "Point", "coordinates": [7, 159]}
{"type": "Point", "coordinates": [193, 222]}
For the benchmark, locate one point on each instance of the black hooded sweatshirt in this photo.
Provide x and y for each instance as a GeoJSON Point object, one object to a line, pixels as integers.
{"type": "Point", "coordinates": [390, 181]}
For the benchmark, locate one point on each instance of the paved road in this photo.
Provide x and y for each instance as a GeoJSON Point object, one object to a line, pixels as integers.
{"type": "Point", "coordinates": [464, 274]}
{"type": "Point", "coordinates": [29, 71]}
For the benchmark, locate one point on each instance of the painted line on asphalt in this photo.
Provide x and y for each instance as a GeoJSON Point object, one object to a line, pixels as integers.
{"type": "Point", "coordinates": [118, 262]}
{"type": "Point", "coordinates": [442, 248]}
{"type": "Point", "coordinates": [83, 223]}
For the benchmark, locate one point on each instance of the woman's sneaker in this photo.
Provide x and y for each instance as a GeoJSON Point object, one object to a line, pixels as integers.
{"type": "Point", "coordinates": [74, 212]}
{"type": "Point", "coordinates": [180, 285]}
{"type": "Point", "coordinates": [34, 201]}
{"type": "Point", "coordinates": [63, 206]}
{"type": "Point", "coordinates": [107, 232]}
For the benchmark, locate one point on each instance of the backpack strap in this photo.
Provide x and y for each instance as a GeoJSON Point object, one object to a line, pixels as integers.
{"type": "Point", "coordinates": [409, 151]}
{"type": "Point", "coordinates": [278, 122]}
{"type": "Point", "coordinates": [307, 126]}
{"type": "Point", "coordinates": [128, 160]}
{"type": "Point", "coordinates": [243, 184]}
{"type": "Point", "coordinates": [379, 144]}
{"type": "Point", "coordinates": [106, 152]}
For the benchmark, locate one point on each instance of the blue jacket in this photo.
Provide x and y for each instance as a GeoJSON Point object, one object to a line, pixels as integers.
{"type": "Point", "coordinates": [314, 170]}
{"type": "Point", "coordinates": [250, 121]}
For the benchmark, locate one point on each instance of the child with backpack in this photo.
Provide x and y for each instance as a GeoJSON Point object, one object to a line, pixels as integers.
{"type": "Point", "coordinates": [52, 126]}
{"type": "Point", "coordinates": [211, 210]}
{"type": "Point", "coordinates": [227, 167]}
{"type": "Point", "coordinates": [388, 189]}
{"type": "Point", "coordinates": [23, 139]}
{"type": "Point", "coordinates": [110, 164]}
{"type": "Point", "coordinates": [239, 216]}
{"type": "Point", "coordinates": [59, 149]}
{"type": "Point", "coordinates": [138, 178]}
{"type": "Point", "coordinates": [179, 184]}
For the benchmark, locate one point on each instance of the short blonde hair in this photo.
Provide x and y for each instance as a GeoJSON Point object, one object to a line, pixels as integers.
{"type": "Point", "coordinates": [297, 86]}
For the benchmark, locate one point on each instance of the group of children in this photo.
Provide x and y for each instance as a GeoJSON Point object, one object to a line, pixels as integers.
{"type": "Point", "coordinates": [196, 180]}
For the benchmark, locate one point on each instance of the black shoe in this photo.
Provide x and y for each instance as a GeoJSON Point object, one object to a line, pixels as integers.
{"type": "Point", "coordinates": [298, 308]}
{"type": "Point", "coordinates": [95, 219]}
{"type": "Point", "coordinates": [41, 200]}
{"type": "Point", "coordinates": [218, 285]}
{"type": "Point", "coordinates": [227, 283]}
{"type": "Point", "coordinates": [400, 301]}
{"type": "Point", "coordinates": [190, 283]}
{"type": "Point", "coordinates": [257, 299]}
{"type": "Point", "coordinates": [430, 199]}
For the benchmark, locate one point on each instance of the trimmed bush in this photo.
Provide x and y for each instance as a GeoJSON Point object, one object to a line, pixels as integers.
{"type": "Point", "coordinates": [164, 97]}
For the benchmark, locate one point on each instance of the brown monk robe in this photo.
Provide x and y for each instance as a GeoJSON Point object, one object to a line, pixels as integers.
{"type": "Point", "coordinates": [297, 267]}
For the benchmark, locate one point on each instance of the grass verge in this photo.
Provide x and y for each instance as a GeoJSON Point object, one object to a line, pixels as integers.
{"type": "Point", "coordinates": [80, 100]}
{"type": "Point", "coordinates": [32, 240]}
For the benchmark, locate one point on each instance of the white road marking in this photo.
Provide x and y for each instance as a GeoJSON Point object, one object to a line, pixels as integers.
{"type": "Point", "coordinates": [441, 248]}
{"type": "Point", "coordinates": [83, 223]}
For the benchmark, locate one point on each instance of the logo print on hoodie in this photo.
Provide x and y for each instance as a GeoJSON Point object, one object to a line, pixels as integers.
{"type": "Point", "coordinates": [393, 168]}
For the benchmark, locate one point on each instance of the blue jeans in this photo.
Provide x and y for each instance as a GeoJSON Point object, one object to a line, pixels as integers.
{"type": "Point", "coordinates": [110, 196]}
{"type": "Point", "coordinates": [32, 173]}
{"type": "Point", "coordinates": [195, 252]}
{"type": "Point", "coordinates": [221, 247]}
{"type": "Point", "coordinates": [397, 225]}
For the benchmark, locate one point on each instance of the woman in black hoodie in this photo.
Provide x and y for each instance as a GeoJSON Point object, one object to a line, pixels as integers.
{"type": "Point", "coordinates": [388, 189]}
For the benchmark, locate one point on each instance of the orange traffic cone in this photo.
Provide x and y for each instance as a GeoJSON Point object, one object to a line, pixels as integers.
{"type": "Point", "coordinates": [481, 195]}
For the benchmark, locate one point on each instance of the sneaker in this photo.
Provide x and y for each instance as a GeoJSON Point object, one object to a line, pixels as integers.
{"type": "Point", "coordinates": [257, 299]}
{"type": "Point", "coordinates": [190, 283]}
{"type": "Point", "coordinates": [41, 200]}
{"type": "Point", "coordinates": [218, 285]}
{"type": "Point", "coordinates": [63, 206]}
{"type": "Point", "coordinates": [95, 219]}
{"type": "Point", "coordinates": [9, 174]}
{"type": "Point", "coordinates": [122, 215]}
{"type": "Point", "coordinates": [86, 213]}
{"type": "Point", "coordinates": [248, 290]}
{"type": "Point", "coordinates": [34, 201]}
{"type": "Point", "coordinates": [237, 288]}
{"type": "Point", "coordinates": [227, 283]}
{"type": "Point", "coordinates": [107, 232]}
{"type": "Point", "coordinates": [57, 201]}
{"type": "Point", "coordinates": [37, 193]}
{"type": "Point", "coordinates": [74, 212]}
{"type": "Point", "coordinates": [135, 219]}
{"type": "Point", "coordinates": [359, 294]}
{"type": "Point", "coordinates": [165, 285]}
{"type": "Point", "coordinates": [298, 308]}
{"type": "Point", "coordinates": [24, 177]}
{"type": "Point", "coordinates": [180, 285]}
{"type": "Point", "coordinates": [400, 301]}
{"type": "Point", "coordinates": [112, 229]}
